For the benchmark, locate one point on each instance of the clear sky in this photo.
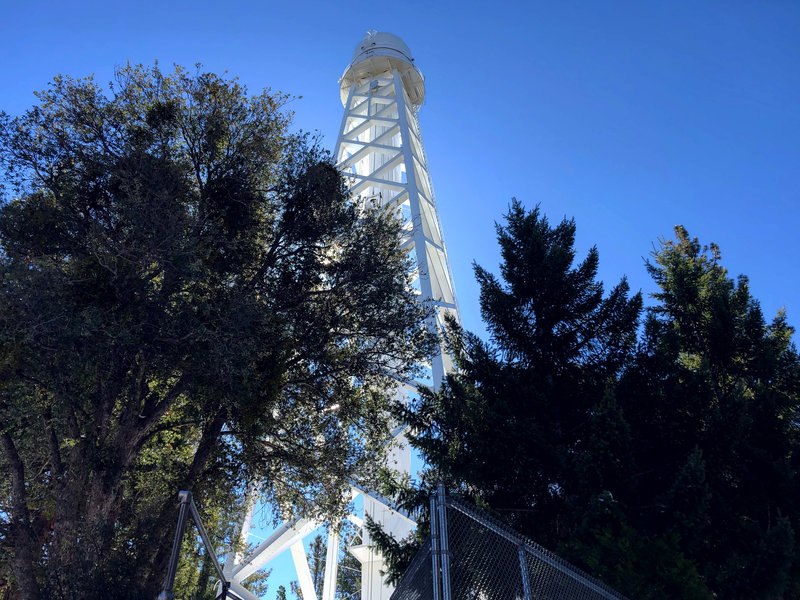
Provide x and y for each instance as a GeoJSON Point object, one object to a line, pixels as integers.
{"type": "Point", "coordinates": [630, 117]}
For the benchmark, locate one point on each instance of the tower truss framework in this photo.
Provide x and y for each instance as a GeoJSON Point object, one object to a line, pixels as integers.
{"type": "Point", "coordinates": [380, 149]}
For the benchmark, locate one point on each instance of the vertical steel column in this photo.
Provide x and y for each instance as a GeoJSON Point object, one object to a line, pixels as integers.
{"type": "Point", "coordinates": [523, 571]}
{"type": "Point", "coordinates": [233, 558]}
{"type": "Point", "coordinates": [331, 565]}
{"type": "Point", "coordinates": [445, 546]}
{"type": "Point", "coordinates": [418, 231]}
{"type": "Point", "coordinates": [183, 513]}
{"type": "Point", "coordinates": [435, 550]}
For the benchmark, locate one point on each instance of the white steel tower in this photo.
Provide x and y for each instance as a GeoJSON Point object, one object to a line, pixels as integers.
{"type": "Point", "coordinates": [379, 147]}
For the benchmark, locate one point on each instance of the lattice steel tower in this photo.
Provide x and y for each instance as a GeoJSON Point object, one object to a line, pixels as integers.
{"type": "Point", "coordinates": [379, 147]}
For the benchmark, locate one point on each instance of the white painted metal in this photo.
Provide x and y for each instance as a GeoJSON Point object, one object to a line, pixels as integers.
{"type": "Point", "coordinates": [331, 565]}
{"type": "Point", "coordinates": [242, 592]}
{"type": "Point", "coordinates": [281, 540]}
{"type": "Point", "coordinates": [303, 572]}
{"type": "Point", "coordinates": [380, 148]}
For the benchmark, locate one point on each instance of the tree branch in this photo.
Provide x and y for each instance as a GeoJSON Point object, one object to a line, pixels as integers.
{"type": "Point", "coordinates": [56, 465]}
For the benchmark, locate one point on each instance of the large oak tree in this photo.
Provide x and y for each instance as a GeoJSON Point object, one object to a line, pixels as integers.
{"type": "Point", "coordinates": [188, 301]}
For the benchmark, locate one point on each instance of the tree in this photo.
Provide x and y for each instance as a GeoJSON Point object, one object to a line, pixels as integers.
{"type": "Point", "coordinates": [508, 429]}
{"type": "Point", "coordinates": [189, 301]}
{"type": "Point", "coordinates": [713, 398]}
{"type": "Point", "coordinates": [666, 469]}
{"type": "Point", "coordinates": [348, 576]}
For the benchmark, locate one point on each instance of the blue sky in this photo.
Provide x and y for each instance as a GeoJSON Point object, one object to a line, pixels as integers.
{"type": "Point", "coordinates": [630, 117]}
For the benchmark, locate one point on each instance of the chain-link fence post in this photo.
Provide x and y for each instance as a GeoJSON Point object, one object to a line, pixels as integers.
{"type": "Point", "coordinates": [189, 510]}
{"type": "Point", "coordinates": [435, 550]}
{"type": "Point", "coordinates": [523, 568]}
{"type": "Point", "coordinates": [444, 543]}
{"type": "Point", "coordinates": [167, 592]}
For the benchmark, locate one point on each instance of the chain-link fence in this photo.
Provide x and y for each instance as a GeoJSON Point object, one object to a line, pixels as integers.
{"type": "Point", "coordinates": [417, 582]}
{"type": "Point", "coordinates": [472, 556]}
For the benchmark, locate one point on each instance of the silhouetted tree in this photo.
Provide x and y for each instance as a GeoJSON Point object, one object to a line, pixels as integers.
{"type": "Point", "coordinates": [666, 468]}
{"type": "Point", "coordinates": [189, 301]}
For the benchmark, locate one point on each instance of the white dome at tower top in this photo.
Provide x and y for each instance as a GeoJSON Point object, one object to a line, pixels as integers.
{"type": "Point", "coordinates": [381, 40]}
{"type": "Point", "coordinates": [380, 54]}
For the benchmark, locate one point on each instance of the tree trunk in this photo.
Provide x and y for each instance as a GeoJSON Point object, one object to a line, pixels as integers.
{"type": "Point", "coordinates": [23, 539]}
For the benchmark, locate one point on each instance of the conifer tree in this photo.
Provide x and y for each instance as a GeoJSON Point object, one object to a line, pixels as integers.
{"type": "Point", "coordinates": [713, 399]}
{"type": "Point", "coordinates": [666, 468]}
{"type": "Point", "coordinates": [510, 427]}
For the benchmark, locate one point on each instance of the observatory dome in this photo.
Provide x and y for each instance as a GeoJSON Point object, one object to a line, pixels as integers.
{"type": "Point", "coordinates": [381, 53]}
{"type": "Point", "coordinates": [381, 40]}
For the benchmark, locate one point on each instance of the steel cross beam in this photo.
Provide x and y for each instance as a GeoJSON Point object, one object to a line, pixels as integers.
{"type": "Point", "coordinates": [392, 172]}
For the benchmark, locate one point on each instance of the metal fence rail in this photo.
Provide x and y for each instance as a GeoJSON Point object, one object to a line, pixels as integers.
{"type": "Point", "coordinates": [472, 556]}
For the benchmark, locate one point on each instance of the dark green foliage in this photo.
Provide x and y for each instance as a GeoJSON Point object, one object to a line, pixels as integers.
{"type": "Point", "coordinates": [529, 395]}
{"type": "Point", "coordinates": [713, 397]}
{"type": "Point", "coordinates": [510, 429]}
{"type": "Point", "coordinates": [667, 468]}
{"type": "Point", "coordinates": [189, 301]}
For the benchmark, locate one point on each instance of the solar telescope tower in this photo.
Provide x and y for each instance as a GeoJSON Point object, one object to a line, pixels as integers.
{"type": "Point", "coordinates": [379, 148]}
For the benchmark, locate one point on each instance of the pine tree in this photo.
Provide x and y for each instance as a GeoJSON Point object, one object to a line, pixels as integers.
{"type": "Point", "coordinates": [666, 468]}
{"type": "Point", "coordinates": [713, 398]}
{"type": "Point", "coordinates": [510, 428]}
